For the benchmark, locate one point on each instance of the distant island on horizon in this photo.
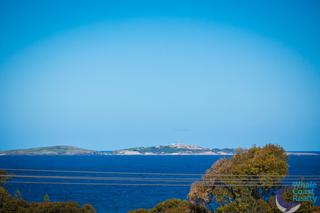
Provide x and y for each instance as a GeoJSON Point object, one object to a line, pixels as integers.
{"type": "Point", "coordinates": [171, 149]}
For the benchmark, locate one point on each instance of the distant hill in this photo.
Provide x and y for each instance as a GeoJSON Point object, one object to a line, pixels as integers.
{"type": "Point", "coordinates": [50, 150]}
{"type": "Point", "coordinates": [172, 149]}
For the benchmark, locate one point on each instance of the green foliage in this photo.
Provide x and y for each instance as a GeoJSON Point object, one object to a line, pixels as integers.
{"type": "Point", "coordinates": [18, 195]}
{"type": "Point", "coordinates": [139, 211]}
{"type": "Point", "coordinates": [9, 204]}
{"type": "Point", "coordinates": [12, 204]}
{"type": "Point", "coordinates": [236, 193]}
{"type": "Point", "coordinates": [3, 177]}
{"type": "Point", "coordinates": [173, 206]}
{"type": "Point", "coordinates": [46, 198]}
{"type": "Point", "coordinates": [59, 207]}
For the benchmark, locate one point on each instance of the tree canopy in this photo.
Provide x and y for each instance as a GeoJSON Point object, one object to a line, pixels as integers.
{"type": "Point", "coordinates": [9, 203]}
{"type": "Point", "coordinates": [246, 182]}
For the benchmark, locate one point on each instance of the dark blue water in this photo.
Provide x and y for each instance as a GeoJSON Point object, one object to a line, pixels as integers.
{"type": "Point", "coordinates": [120, 198]}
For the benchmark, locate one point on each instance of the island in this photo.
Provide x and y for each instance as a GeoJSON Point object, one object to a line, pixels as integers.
{"type": "Point", "coordinates": [171, 149]}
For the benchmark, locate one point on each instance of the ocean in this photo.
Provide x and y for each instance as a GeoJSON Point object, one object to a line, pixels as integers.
{"type": "Point", "coordinates": [133, 185]}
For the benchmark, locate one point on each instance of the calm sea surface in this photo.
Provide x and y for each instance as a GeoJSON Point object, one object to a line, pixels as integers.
{"type": "Point", "coordinates": [119, 198]}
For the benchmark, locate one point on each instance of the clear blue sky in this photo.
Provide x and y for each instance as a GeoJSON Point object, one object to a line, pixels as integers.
{"type": "Point", "coordinates": [113, 74]}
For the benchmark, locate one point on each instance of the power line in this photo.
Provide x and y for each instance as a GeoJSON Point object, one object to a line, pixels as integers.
{"type": "Point", "coordinates": [100, 172]}
{"type": "Point", "coordinates": [137, 184]}
{"type": "Point", "coordinates": [156, 179]}
{"type": "Point", "coordinates": [96, 184]}
{"type": "Point", "coordinates": [230, 181]}
{"type": "Point", "coordinates": [102, 178]}
{"type": "Point", "coordinates": [159, 174]}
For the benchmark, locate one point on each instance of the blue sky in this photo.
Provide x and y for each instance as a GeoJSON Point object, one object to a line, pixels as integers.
{"type": "Point", "coordinates": [114, 74]}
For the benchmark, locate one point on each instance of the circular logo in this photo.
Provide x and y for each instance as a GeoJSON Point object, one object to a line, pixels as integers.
{"type": "Point", "coordinates": [283, 205]}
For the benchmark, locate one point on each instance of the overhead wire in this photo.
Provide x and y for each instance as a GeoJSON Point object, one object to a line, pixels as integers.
{"type": "Point", "coordinates": [152, 179]}
{"type": "Point", "coordinates": [151, 173]}
{"type": "Point", "coordinates": [233, 180]}
{"type": "Point", "coordinates": [138, 184]}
